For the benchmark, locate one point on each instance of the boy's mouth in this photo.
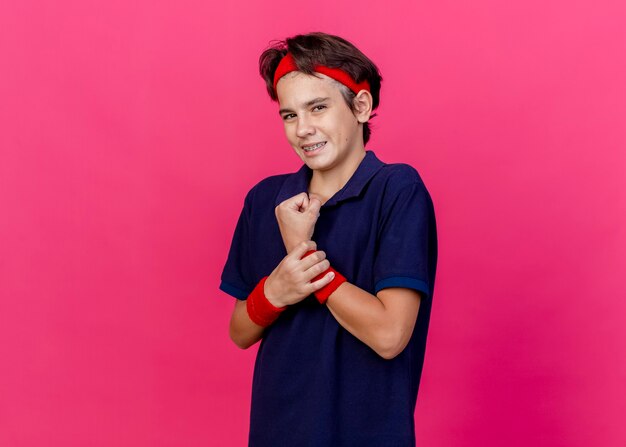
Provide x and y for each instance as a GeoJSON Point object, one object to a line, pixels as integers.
{"type": "Point", "coordinates": [314, 147]}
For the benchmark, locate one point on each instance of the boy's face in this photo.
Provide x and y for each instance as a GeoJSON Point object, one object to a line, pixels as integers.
{"type": "Point", "coordinates": [314, 111]}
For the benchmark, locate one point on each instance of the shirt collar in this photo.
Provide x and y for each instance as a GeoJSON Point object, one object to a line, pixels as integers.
{"type": "Point", "coordinates": [298, 181]}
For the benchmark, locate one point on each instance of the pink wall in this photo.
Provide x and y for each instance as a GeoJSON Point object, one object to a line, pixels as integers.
{"type": "Point", "coordinates": [131, 131]}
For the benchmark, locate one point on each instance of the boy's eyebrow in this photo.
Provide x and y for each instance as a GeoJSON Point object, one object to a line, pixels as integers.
{"type": "Point", "coordinates": [307, 104]}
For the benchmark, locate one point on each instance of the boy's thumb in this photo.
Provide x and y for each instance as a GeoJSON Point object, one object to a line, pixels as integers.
{"type": "Point", "coordinates": [314, 205]}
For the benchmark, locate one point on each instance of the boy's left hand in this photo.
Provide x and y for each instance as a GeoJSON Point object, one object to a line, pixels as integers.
{"type": "Point", "coordinates": [296, 218]}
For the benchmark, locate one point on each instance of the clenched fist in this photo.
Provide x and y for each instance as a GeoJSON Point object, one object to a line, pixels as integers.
{"type": "Point", "coordinates": [296, 218]}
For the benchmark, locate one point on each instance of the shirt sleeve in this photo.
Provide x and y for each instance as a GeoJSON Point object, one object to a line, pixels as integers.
{"type": "Point", "coordinates": [402, 258]}
{"type": "Point", "coordinates": [236, 278]}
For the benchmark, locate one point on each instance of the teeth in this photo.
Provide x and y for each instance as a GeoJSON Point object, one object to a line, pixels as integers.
{"type": "Point", "coordinates": [312, 148]}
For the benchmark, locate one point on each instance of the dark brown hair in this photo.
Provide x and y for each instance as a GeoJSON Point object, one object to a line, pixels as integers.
{"type": "Point", "coordinates": [319, 48]}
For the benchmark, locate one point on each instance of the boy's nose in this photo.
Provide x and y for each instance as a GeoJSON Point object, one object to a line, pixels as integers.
{"type": "Point", "coordinates": [304, 128]}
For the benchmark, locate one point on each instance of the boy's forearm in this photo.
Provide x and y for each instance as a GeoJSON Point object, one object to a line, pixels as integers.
{"type": "Point", "coordinates": [360, 313]}
{"type": "Point", "coordinates": [243, 331]}
{"type": "Point", "coordinates": [364, 316]}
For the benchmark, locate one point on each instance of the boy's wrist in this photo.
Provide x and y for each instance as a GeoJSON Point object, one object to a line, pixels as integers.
{"type": "Point", "coordinates": [322, 294]}
{"type": "Point", "coordinates": [291, 246]}
{"type": "Point", "coordinates": [260, 309]}
{"type": "Point", "coordinates": [269, 293]}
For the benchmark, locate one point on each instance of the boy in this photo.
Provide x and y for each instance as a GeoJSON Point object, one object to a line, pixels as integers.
{"type": "Point", "coordinates": [333, 266]}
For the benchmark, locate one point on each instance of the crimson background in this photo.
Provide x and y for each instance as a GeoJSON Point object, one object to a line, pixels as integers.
{"type": "Point", "coordinates": [131, 131]}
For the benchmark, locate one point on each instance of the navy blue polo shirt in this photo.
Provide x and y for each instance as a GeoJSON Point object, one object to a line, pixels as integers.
{"type": "Point", "coordinates": [314, 383]}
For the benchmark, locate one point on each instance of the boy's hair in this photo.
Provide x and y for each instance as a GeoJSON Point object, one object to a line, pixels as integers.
{"type": "Point", "coordinates": [319, 48]}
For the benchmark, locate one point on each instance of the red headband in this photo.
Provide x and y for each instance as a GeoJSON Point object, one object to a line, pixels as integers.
{"type": "Point", "coordinates": [287, 64]}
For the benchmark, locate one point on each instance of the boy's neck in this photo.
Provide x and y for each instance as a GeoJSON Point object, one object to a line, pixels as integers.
{"type": "Point", "coordinates": [325, 184]}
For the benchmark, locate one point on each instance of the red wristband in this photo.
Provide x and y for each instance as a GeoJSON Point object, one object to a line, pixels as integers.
{"type": "Point", "coordinates": [323, 293]}
{"type": "Point", "coordinates": [260, 310]}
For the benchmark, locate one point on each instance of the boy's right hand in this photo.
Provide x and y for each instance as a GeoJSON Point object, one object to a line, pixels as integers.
{"type": "Point", "coordinates": [289, 283]}
{"type": "Point", "coordinates": [296, 218]}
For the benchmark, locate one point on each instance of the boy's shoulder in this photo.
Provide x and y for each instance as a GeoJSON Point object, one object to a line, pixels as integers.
{"type": "Point", "coordinates": [395, 177]}
{"type": "Point", "coordinates": [401, 173]}
{"type": "Point", "coordinates": [266, 189]}
{"type": "Point", "coordinates": [271, 182]}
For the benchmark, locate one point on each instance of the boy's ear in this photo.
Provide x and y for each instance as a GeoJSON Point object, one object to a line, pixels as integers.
{"type": "Point", "coordinates": [363, 106]}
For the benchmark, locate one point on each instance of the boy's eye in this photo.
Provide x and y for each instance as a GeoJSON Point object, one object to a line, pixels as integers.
{"type": "Point", "coordinates": [289, 115]}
